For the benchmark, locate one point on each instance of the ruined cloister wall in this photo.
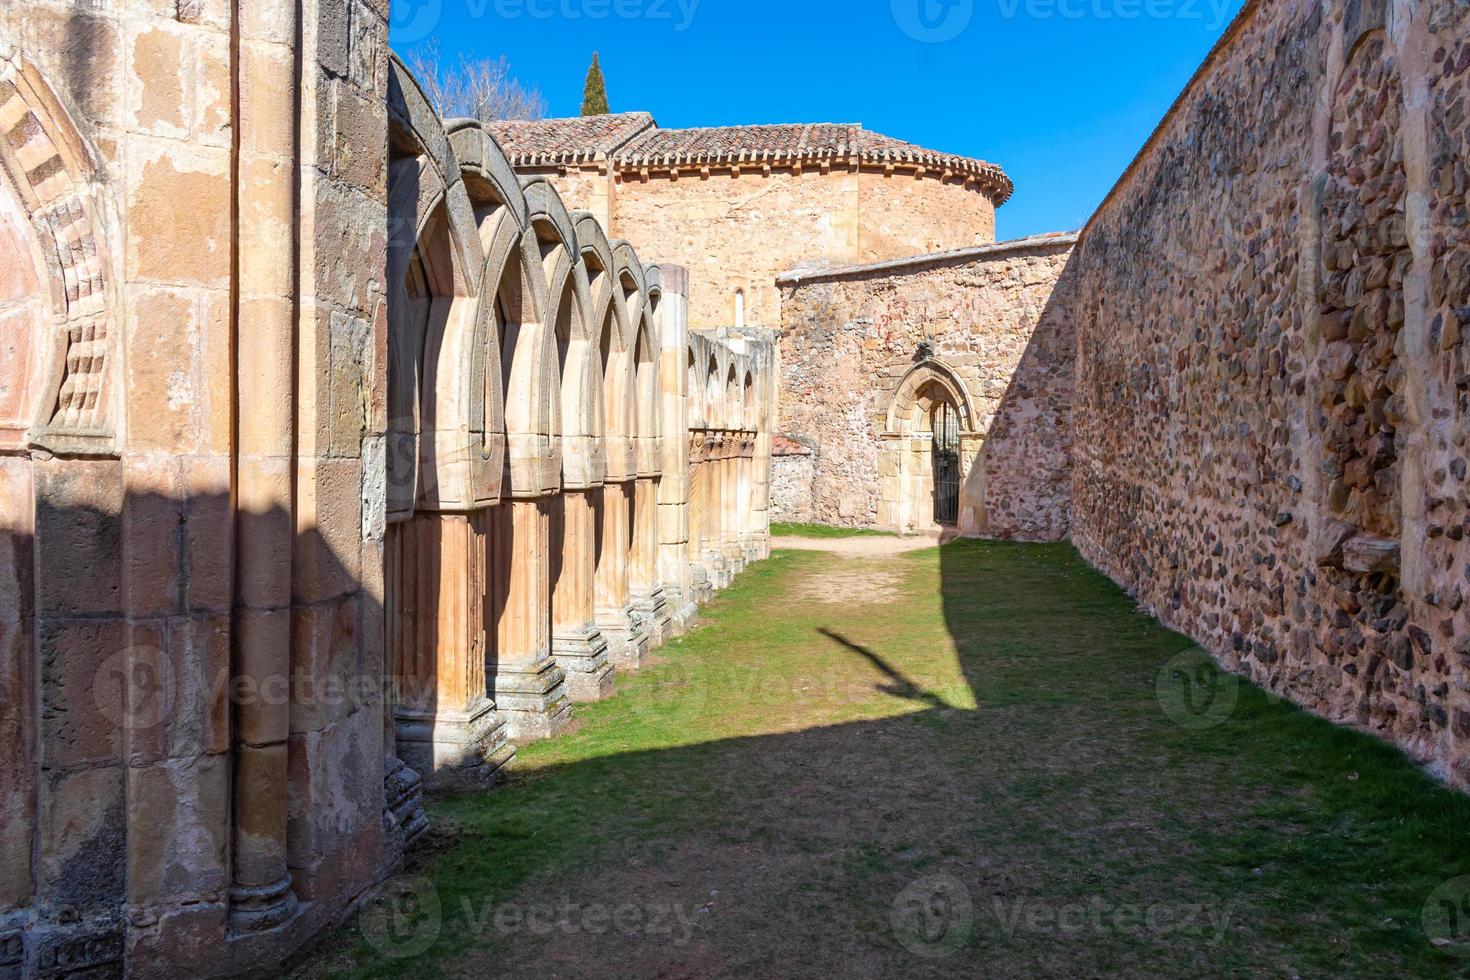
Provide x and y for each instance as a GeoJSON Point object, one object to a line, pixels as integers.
{"type": "Point", "coordinates": [739, 230]}
{"type": "Point", "coordinates": [392, 465]}
{"type": "Point", "coordinates": [1272, 381]}
{"type": "Point", "coordinates": [992, 321]}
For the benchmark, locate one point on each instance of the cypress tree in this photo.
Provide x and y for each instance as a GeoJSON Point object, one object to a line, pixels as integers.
{"type": "Point", "coordinates": [594, 93]}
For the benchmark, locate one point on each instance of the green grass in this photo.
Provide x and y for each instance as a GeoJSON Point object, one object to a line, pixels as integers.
{"type": "Point", "coordinates": [792, 530]}
{"type": "Point", "coordinates": [981, 717]}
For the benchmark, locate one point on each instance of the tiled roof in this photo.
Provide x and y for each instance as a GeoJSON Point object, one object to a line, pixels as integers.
{"type": "Point", "coordinates": [634, 140]}
{"type": "Point", "coordinates": [577, 140]}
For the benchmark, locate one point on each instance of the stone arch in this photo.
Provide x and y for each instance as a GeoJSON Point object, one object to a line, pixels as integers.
{"type": "Point", "coordinates": [445, 411]}
{"type": "Point", "coordinates": [694, 393]}
{"type": "Point", "coordinates": [910, 399]}
{"type": "Point", "coordinates": [747, 402]}
{"type": "Point", "coordinates": [712, 413]}
{"type": "Point", "coordinates": [646, 378]}
{"type": "Point", "coordinates": [578, 361]}
{"type": "Point", "coordinates": [57, 333]}
{"type": "Point", "coordinates": [608, 332]}
{"type": "Point", "coordinates": [639, 371]}
{"type": "Point", "coordinates": [514, 306]}
{"type": "Point", "coordinates": [924, 458]}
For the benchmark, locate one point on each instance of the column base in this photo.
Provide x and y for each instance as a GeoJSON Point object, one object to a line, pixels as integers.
{"type": "Point", "coordinates": [627, 637]}
{"type": "Point", "coordinates": [404, 819]}
{"type": "Point", "coordinates": [653, 609]}
{"type": "Point", "coordinates": [734, 558]}
{"type": "Point", "coordinates": [700, 587]}
{"type": "Point", "coordinates": [532, 698]}
{"type": "Point", "coordinates": [583, 657]}
{"type": "Point", "coordinates": [718, 570]}
{"type": "Point", "coordinates": [262, 908]}
{"type": "Point", "coordinates": [455, 750]}
{"type": "Point", "coordinates": [92, 947]}
{"type": "Point", "coordinates": [681, 610]}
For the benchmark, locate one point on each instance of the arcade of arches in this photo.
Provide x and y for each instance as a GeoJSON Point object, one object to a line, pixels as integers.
{"type": "Point", "coordinates": [280, 548]}
{"type": "Point", "coordinates": [340, 457]}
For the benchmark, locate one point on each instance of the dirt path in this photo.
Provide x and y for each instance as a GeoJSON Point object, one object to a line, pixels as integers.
{"type": "Point", "coordinates": [865, 546]}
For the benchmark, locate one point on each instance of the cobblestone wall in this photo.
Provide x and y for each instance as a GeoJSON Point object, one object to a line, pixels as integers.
{"type": "Point", "coordinates": [993, 321]}
{"type": "Point", "coordinates": [1272, 388]}
{"type": "Point", "coordinates": [791, 488]}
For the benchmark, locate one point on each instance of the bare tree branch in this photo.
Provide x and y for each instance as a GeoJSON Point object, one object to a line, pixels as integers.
{"type": "Point", "coordinates": [474, 88]}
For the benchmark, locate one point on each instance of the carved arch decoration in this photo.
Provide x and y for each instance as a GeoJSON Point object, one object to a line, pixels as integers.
{"type": "Point", "coordinates": [579, 409]}
{"type": "Point", "coordinates": [57, 326]}
{"type": "Point", "coordinates": [513, 306]}
{"type": "Point", "coordinates": [607, 324]}
{"type": "Point", "coordinates": [911, 400]}
{"type": "Point", "coordinates": [446, 418]}
{"type": "Point", "coordinates": [713, 415]}
{"type": "Point", "coordinates": [634, 388]}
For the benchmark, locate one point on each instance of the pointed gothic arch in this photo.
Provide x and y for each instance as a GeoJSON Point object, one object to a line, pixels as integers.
{"type": "Point", "coordinates": [929, 416]}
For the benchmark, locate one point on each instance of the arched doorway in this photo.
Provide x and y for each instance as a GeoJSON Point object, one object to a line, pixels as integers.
{"type": "Point", "coordinates": [944, 424]}
{"type": "Point", "coordinates": [924, 444]}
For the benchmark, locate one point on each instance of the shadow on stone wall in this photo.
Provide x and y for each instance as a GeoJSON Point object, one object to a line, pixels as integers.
{"type": "Point", "coordinates": [1019, 487]}
{"type": "Point", "coordinates": [125, 709]}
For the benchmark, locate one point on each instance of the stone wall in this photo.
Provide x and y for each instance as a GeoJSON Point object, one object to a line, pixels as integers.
{"type": "Point", "coordinates": [739, 231]}
{"type": "Point", "coordinates": [990, 324]}
{"type": "Point", "coordinates": [793, 478]}
{"type": "Point", "coordinates": [1272, 383]}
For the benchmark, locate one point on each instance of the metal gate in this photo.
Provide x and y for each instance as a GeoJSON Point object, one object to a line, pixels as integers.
{"type": "Point", "coordinates": [946, 428]}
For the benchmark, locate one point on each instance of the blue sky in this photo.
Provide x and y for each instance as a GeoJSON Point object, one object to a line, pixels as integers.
{"type": "Point", "coordinates": [1061, 93]}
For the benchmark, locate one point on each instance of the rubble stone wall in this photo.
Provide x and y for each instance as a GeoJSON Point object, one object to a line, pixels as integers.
{"type": "Point", "coordinates": [993, 321]}
{"type": "Point", "coordinates": [1272, 387]}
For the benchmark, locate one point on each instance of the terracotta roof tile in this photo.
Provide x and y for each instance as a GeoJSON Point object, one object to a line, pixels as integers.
{"type": "Point", "coordinates": [633, 139]}
{"type": "Point", "coordinates": [575, 140]}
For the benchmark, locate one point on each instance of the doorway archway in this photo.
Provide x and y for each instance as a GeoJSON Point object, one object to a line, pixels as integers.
{"type": "Point", "coordinates": [924, 459]}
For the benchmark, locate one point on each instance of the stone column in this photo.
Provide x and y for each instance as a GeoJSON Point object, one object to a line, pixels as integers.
{"type": "Point", "coordinates": [714, 492]}
{"type": "Point", "coordinates": [447, 728]}
{"type": "Point", "coordinates": [732, 522]}
{"type": "Point", "coordinates": [699, 580]}
{"type": "Point", "coordinates": [645, 589]}
{"type": "Point", "coordinates": [577, 644]}
{"type": "Point", "coordinates": [261, 897]}
{"type": "Point", "coordinates": [747, 497]}
{"type": "Point", "coordinates": [626, 638]}
{"type": "Point", "coordinates": [674, 491]}
{"type": "Point", "coordinates": [526, 684]}
{"type": "Point", "coordinates": [760, 518]}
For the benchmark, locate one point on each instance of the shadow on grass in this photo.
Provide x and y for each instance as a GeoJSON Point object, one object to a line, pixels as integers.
{"type": "Point", "coordinates": [975, 778]}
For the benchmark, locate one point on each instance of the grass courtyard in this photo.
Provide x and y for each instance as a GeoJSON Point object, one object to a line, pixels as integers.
{"type": "Point", "coordinates": [958, 761]}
